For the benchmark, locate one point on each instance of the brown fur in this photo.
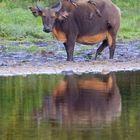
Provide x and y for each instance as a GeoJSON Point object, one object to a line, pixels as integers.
{"type": "Point", "coordinates": [60, 36]}
{"type": "Point", "coordinates": [94, 39]}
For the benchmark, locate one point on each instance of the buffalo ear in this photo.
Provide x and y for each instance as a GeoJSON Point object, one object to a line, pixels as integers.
{"type": "Point", "coordinates": [35, 11]}
{"type": "Point", "coordinates": [62, 15]}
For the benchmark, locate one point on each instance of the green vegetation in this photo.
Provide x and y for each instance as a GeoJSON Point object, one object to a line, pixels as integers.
{"type": "Point", "coordinates": [30, 49]}
{"type": "Point", "coordinates": [22, 95]}
{"type": "Point", "coordinates": [130, 22]}
{"type": "Point", "coordinates": [17, 22]}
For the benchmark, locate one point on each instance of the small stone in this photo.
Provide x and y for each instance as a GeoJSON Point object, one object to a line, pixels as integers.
{"type": "Point", "coordinates": [105, 71]}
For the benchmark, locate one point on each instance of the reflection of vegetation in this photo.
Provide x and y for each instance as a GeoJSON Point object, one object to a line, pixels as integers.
{"type": "Point", "coordinates": [17, 22]}
{"type": "Point", "coordinates": [20, 96]}
{"type": "Point", "coordinates": [129, 84]}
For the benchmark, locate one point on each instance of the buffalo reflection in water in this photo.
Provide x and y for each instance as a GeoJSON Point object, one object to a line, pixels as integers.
{"type": "Point", "coordinates": [79, 100]}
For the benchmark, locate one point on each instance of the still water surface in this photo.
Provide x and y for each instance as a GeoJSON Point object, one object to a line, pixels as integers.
{"type": "Point", "coordinates": [70, 107]}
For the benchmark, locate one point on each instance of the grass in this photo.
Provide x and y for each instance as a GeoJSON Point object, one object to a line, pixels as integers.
{"type": "Point", "coordinates": [19, 24]}
{"type": "Point", "coordinates": [130, 21]}
{"type": "Point", "coordinates": [31, 49]}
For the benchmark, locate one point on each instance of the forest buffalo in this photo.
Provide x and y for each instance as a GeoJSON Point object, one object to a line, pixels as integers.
{"type": "Point", "coordinates": [81, 23]}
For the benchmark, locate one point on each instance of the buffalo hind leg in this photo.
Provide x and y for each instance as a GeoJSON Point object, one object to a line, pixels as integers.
{"type": "Point", "coordinates": [112, 48]}
{"type": "Point", "coordinates": [101, 48]}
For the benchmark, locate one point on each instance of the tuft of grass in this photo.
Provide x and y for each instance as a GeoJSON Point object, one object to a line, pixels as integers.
{"type": "Point", "coordinates": [30, 49]}
{"type": "Point", "coordinates": [33, 49]}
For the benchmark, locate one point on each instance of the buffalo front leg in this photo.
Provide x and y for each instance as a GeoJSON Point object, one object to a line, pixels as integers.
{"type": "Point", "coordinates": [69, 46]}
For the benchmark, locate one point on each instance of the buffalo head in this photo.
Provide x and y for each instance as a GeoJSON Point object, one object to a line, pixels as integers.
{"type": "Point", "coordinates": [48, 15]}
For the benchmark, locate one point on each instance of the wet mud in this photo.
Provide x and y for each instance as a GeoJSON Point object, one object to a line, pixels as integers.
{"type": "Point", "coordinates": [50, 57]}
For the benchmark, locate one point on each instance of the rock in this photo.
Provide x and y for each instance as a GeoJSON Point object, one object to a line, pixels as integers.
{"type": "Point", "coordinates": [41, 44]}
{"type": "Point", "coordinates": [70, 72]}
{"type": "Point", "coordinates": [43, 53]}
{"type": "Point", "coordinates": [2, 48]}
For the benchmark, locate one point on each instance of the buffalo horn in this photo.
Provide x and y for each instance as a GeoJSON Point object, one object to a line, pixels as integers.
{"type": "Point", "coordinates": [37, 5]}
{"type": "Point", "coordinates": [56, 9]}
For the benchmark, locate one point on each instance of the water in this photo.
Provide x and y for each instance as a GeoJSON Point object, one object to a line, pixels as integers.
{"type": "Point", "coordinates": [72, 107]}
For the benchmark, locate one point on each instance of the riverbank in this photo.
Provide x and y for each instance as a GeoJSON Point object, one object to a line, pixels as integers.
{"type": "Point", "coordinates": [32, 51]}
{"type": "Point", "coordinates": [103, 67]}
{"type": "Point", "coordinates": [50, 58]}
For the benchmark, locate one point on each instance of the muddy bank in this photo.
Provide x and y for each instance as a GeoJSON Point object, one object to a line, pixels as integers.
{"type": "Point", "coordinates": [103, 67]}
{"type": "Point", "coordinates": [51, 58]}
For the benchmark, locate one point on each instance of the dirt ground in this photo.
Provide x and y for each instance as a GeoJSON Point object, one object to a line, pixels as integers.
{"type": "Point", "coordinates": [52, 60]}
{"type": "Point", "coordinates": [102, 67]}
